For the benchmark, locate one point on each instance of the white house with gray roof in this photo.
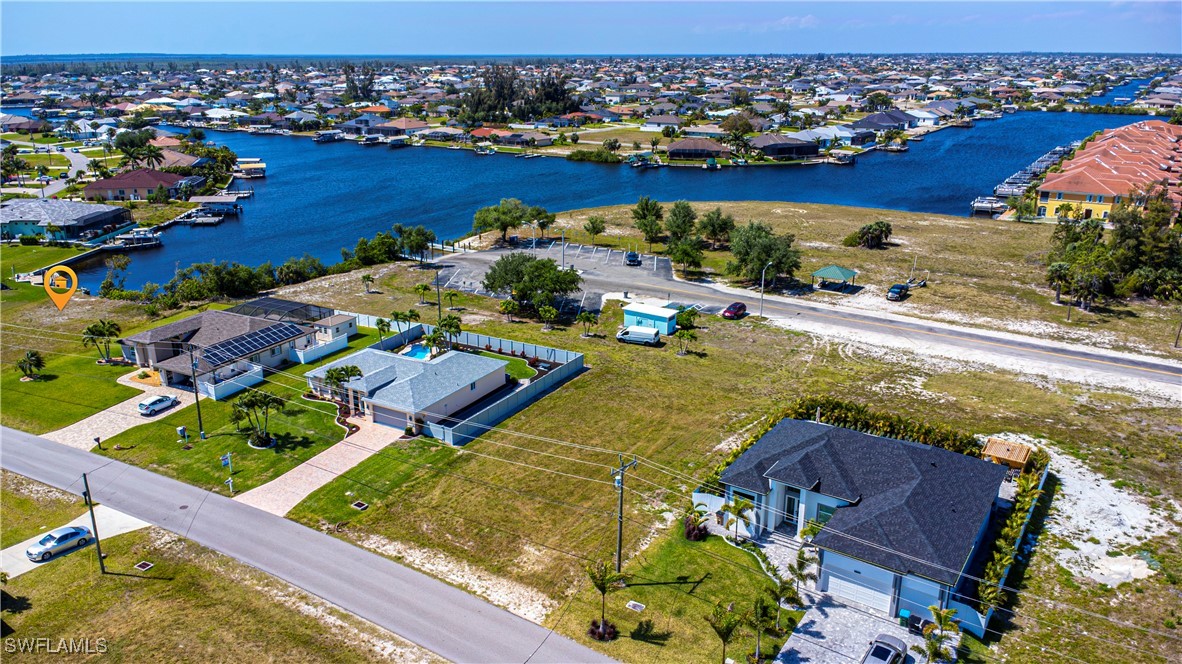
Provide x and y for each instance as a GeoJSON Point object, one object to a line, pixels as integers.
{"type": "Point", "coordinates": [902, 521]}
{"type": "Point", "coordinates": [71, 220]}
{"type": "Point", "coordinates": [397, 389]}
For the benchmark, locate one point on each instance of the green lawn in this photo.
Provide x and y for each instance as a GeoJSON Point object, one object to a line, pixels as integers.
{"type": "Point", "coordinates": [58, 161]}
{"type": "Point", "coordinates": [70, 388]}
{"type": "Point", "coordinates": [679, 582]}
{"type": "Point", "coordinates": [518, 368]}
{"type": "Point", "coordinates": [194, 605]}
{"type": "Point", "coordinates": [26, 258]}
{"type": "Point", "coordinates": [52, 139]}
{"type": "Point", "coordinates": [30, 508]}
{"type": "Point", "coordinates": [151, 214]}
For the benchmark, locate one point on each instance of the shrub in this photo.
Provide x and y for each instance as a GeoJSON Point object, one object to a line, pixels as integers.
{"type": "Point", "coordinates": [694, 531]}
{"type": "Point", "coordinates": [598, 155]}
{"type": "Point", "coordinates": [28, 240]}
{"type": "Point", "coordinates": [604, 632]}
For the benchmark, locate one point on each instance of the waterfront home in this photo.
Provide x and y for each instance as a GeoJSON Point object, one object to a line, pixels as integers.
{"type": "Point", "coordinates": [72, 220]}
{"type": "Point", "coordinates": [778, 146]}
{"type": "Point", "coordinates": [1115, 165]}
{"type": "Point", "coordinates": [704, 131]}
{"type": "Point", "coordinates": [901, 521]}
{"type": "Point", "coordinates": [528, 138]}
{"type": "Point", "coordinates": [659, 122]}
{"type": "Point", "coordinates": [412, 388]}
{"type": "Point", "coordinates": [401, 127]}
{"type": "Point", "coordinates": [697, 148]}
{"type": "Point", "coordinates": [230, 351]}
{"type": "Point", "coordinates": [923, 118]}
{"type": "Point", "coordinates": [443, 134]}
{"type": "Point", "coordinates": [885, 121]}
{"type": "Point", "coordinates": [139, 185]}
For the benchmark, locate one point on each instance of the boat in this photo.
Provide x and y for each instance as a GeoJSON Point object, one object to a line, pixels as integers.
{"type": "Point", "coordinates": [739, 162]}
{"type": "Point", "coordinates": [328, 136]}
{"type": "Point", "coordinates": [483, 152]}
{"type": "Point", "coordinates": [532, 155]}
{"type": "Point", "coordinates": [711, 164]}
{"type": "Point", "coordinates": [894, 147]}
{"type": "Point", "coordinates": [370, 140]}
{"type": "Point", "coordinates": [138, 238]}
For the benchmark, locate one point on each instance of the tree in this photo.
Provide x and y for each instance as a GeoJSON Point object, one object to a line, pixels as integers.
{"type": "Point", "coordinates": [725, 623]}
{"type": "Point", "coordinates": [510, 213]}
{"type": "Point", "coordinates": [1063, 212]}
{"type": "Point", "coordinates": [414, 241]}
{"type": "Point", "coordinates": [383, 327]}
{"type": "Point", "coordinates": [647, 216]}
{"type": "Point", "coordinates": [451, 296]}
{"type": "Point", "coordinates": [738, 510]}
{"type": "Point", "coordinates": [716, 226]}
{"type": "Point", "coordinates": [611, 144]}
{"type": "Point", "coordinates": [1058, 275]}
{"type": "Point", "coordinates": [606, 580]}
{"type": "Point", "coordinates": [530, 280]}
{"type": "Point", "coordinates": [548, 315]}
{"type": "Point", "coordinates": [933, 648]}
{"type": "Point", "coordinates": [399, 317]}
{"type": "Point", "coordinates": [336, 377]}
{"type": "Point", "coordinates": [1022, 206]}
{"type": "Point", "coordinates": [99, 335]}
{"type": "Point", "coordinates": [688, 253]}
{"type": "Point", "coordinates": [681, 221]}
{"type": "Point", "coordinates": [754, 246]}
{"type": "Point", "coordinates": [595, 226]}
{"type": "Point", "coordinates": [450, 326]}
{"type": "Point", "coordinates": [509, 307]}
{"type": "Point", "coordinates": [761, 618]}
{"type": "Point", "coordinates": [421, 290]}
{"type": "Point", "coordinates": [783, 592]}
{"type": "Point", "coordinates": [800, 571]}
{"type": "Point", "coordinates": [366, 280]}
{"type": "Point", "coordinates": [574, 138]}
{"type": "Point", "coordinates": [435, 340]}
{"type": "Point", "coordinates": [30, 363]}
{"type": "Point", "coordinates": [654, 142]}
{"type": "Point", "coordinates": [256, 406]}
{"type": "Point", "coordinates": [587, 320]}
{"type": "Point", "coordinates": [684, 339]}
{"type": "Point", "coordinates": [870, 236]}
{"type": "Point", "coordinates": [687, 318]}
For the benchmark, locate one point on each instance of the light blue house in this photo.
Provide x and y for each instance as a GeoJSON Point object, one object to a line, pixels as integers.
{"type": "Point", "coordinates": [646, 315]}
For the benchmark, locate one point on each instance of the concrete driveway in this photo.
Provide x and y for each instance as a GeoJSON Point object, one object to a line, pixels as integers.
{"type": "Point", "coordinates": [110, 523]}
{"type": "Point", "coordinates": [118, 418]}
{"type": "Point", "coordinates": [839, 633]}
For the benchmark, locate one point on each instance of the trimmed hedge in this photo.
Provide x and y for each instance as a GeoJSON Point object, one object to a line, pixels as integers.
{"type": "Point", "coordinates": [854, 416]}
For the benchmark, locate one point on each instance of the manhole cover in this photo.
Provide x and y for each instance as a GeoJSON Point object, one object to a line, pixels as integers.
{"type": "Point", "coordinates": [184, 507]}
{"type": "Point", "coordinates": [360, 506]}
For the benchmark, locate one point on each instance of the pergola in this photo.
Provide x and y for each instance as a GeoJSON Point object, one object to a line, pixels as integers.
{"type": "Point", "coordinates": [1006, 453]}
{"type": "Point", "coordinates": [835, 273]}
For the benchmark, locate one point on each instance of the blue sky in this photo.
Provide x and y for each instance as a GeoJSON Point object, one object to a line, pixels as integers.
{"type": "Point", "coordinates": [558, 27]}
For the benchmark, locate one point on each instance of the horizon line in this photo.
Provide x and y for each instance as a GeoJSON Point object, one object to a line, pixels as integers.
{"type": "Point", "coordinates": [29, 56]}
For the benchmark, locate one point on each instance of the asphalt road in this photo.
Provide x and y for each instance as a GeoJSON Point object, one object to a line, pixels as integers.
{"type": "Point", "coordinates": [78, 162]}
{"type": "Point", "coordinates": [605, 273]}
{"type": "Point", "coordinates": [430, 613]}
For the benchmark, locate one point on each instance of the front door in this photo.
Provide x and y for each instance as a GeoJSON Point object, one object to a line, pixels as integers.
{"type": "Point", "coordinates": [790, 507]}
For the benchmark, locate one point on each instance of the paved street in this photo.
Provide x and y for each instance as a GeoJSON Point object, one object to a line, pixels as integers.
{"type": "Point", "coordinates": [430, 613]}
{"type": "Point", "coordinates": [110, 524]}
{"type": "Point", "coordinates": [78, 162]}
{"type": "Point", "coordinates": [603, 272]}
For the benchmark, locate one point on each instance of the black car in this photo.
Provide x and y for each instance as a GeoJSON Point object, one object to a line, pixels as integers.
{"type": "Point", "coordinates": [735, 311]}
{"type": "Point", "coordinates": [898, 292]}
{"type": "Point", "coordinates": [631, 258]}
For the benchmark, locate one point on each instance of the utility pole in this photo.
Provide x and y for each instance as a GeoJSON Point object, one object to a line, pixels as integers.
{"type": "Point", "coordinates": [762, 274]}
{"type": "Point", "coordinates": [93, 523]}
{"type": "Point", "coordinates": [438, 297]}
{"type": "Point", "coordinates": [618, 473]}
{"type": "Point", "coordinates": [196, 392]}
{"type": "Point", "coordinates": [564, 248]}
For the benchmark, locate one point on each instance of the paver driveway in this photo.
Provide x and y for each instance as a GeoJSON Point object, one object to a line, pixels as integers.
{"type": "Point", "coordinates": [118, 418]}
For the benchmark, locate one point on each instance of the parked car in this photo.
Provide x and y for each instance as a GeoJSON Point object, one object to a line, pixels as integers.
{"type": "Point", "coordinates": [56, 541]}
{"type": "Point", "coordinates": [631, 258]}
{"type": "Point", "coordinates": [646, 336]}
{"type": "Point", "coordinates": [735, 311]}
{"type": "Point", "coordinates": [898, 292]}
{"type": "Point", "coordinates": [64, 175]}
{"type": "Point", "coordinates": [153, 405]}
{"type": "Point", "coordinates": [74, 150]}
{"type": "Point", "coordinates": [885, 649]}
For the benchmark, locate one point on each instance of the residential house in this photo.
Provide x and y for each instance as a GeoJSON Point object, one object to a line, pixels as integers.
{"type": "Point", "coordinates": [778, 146]}
{"type": "Point", "coordinates": [139, 185]}
{"type": "Point", "coordinates": [697, 148]}
{"type": "Point", "coordinates": [659, 122]}
{"type": "Point", "coordinates": [902, 522]}
{"type": "Point", "coordinates": [73, 220]}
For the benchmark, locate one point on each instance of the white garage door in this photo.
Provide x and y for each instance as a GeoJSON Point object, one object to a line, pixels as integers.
{"type": "Point", "coordinates": [390, 418]}
{"type": "Point", "coordinates": [861, 592]}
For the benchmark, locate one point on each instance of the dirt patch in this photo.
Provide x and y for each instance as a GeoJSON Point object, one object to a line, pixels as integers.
{"type": "Point", "coordinates": [1098, 519]}
{"type": "Point", "coordinates": [23, 486]}
{"type": "Point", "coordinates": [517, 598]}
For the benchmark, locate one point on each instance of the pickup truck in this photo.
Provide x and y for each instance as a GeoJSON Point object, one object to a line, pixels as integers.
{"type": "Point", "coordinates": [898, 292]}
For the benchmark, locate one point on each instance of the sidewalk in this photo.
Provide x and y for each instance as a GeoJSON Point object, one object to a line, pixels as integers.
{"type": "Point", "coordinates": [283, 493]}
{"type": "Point", "coordinates": [118, 418]}
{"type": "Point", "coordinates": [110, 523]}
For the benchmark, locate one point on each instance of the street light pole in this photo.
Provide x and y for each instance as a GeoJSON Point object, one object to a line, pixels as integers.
{"type": "Point", "coordinates": [196, 392]}
{"type": "Point", "coordinates": [762, 275]}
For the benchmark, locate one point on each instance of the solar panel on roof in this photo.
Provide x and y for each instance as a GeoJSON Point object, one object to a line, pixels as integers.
{"type": "Point", "coordinates": [227, 351]}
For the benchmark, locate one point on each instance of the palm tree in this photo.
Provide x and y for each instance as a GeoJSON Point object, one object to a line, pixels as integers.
{"type": "Point", "coordinates": [451, 296]}
{"type": "Point", "coordinates": [412, 315]}
{"type": "Point", "coordinates": [152, 155]}
{"type": "Point", "coordinates": [434, 341]}
{"type": "Point", "coordinates": [450, 326]}
{"type": "Point", "coordinates": [654, 142]}
{"type": "Point", "coordinates": [400, 317]}
{"type": "Point", "coordinates": [801, 570]}
{"type": "Point", "coordinates": [784, 592]}
{"type": "Point", "coordinates": [31, 363]}
{"type": "Point", "coordinates": [725, 623]}
{"type": "Point", "coordinates": [132, 156]}
{"type": "Point", "coordinates": [587, 320]}
{"type": "Point", "coordinates": [336, 377]}
{"type": "Point", "coordinates": [760, 620]}
{"type": "Point", "coordinates": [421, 290]}
{"type": "Point", "coordinates": [509, 307]}
{"type": "Point", "coordinates": [737, 140]}
{"type": "Point", "coordinates": [383, 327]}
{"type": "Point", "coordinates": [933, 648]}
{"type": "Point", "coordinates": [606, 580]}
{"type": "Point", "coordinates": [738, 508]}
{"type": "Point", "coordinates": [942, 621]}
{"type": "Point", "coordinates": [71, 128]}
{"type": "Point", "coordinates": [366, 280]}
{"type": "Point", "coordinates": [99, 335]}
{"type": "Point", "coordinates": [684, 338]}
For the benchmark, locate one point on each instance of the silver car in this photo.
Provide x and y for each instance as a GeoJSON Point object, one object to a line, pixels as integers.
{"type": "Point", "coordinates": [153, 405]}
{"type": "Point", "coordinates": [56, 541]}
{"type": "Point", "coordinates": [885, 649]}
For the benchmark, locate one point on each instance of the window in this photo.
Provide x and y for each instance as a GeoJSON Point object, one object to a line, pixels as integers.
{"type": "Point", "coordinates": [1058, 195]}
{"type": "Point", "coordinates": [1105, 214]}
{"type": "Point", "coordinates": [1042, 211]}
{"type": "Point", "coordinates": [276, 350]}
{"type": "Point", "coordinates": [255, 358]}
{"type": "Point", "coordinates": [1116, 199]}
{"type": "Point", "coordinates": [1089, 198]}
{"type": "Point", "coordinates": [1100, 198]}
{"type": "Point", "coordinates": [1043, 196]}
{"type": "Point", "coordinates": [472, 386]}
{"type": "Point", "coordinates": [824, 513]}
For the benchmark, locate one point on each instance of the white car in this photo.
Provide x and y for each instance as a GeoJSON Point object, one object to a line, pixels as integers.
{"type": "Point", "coordinates": [153, 405]}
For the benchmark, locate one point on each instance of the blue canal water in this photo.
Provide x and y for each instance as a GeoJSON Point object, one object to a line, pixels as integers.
{"type": "Point", "coordinates": [317, 199]}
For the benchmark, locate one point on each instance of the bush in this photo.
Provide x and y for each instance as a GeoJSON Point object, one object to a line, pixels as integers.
{"type": "Point", "coordinates": [28, 240]}
{"type": "Point", "coordinates": [599, 155]}
{"type": "Point", "coordinates": [604, 632]}
{"type": "Point", "coordinates": [694, 531]}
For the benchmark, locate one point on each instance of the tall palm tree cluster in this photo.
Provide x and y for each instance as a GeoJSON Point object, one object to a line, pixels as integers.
{"type": "Point", "coordinates": [99, 336]}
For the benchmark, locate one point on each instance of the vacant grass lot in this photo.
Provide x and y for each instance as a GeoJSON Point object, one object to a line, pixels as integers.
{"type": "Point", "coordinates": [31, 508]}
{"type": "Point", "coordinates": [981, 272]}
{"type": "Point", "coordinates": [68, 389]}
{"type": "Point", "coordinates": [26, 258]}
{"type": "Point", "coordinates": [151, 214]}
{"type": "Point", "coordinates": [503, 504]}
{"type": "Point", "coordinates": [194, 605]}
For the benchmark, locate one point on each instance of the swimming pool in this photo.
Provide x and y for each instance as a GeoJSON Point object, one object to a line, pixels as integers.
{"type": "Point", "coordinates": [418, 351]}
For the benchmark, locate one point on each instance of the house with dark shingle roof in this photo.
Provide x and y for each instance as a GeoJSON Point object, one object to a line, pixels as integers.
{"type": "Point", "coordinates": [902, 521]}
{"type": "Point", "coordinates": [34, 216]}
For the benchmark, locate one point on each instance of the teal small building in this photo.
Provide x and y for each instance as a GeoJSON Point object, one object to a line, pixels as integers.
{"type": "Point", "coordinates": [647, 315]}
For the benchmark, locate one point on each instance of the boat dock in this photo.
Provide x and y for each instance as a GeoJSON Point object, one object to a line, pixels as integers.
{"type": "Point", "coordinates": [988, 205]}
{"type": "Point", "coordinates": [1018, 183]}
{"type": "Point", "coordinates": [138, 238]}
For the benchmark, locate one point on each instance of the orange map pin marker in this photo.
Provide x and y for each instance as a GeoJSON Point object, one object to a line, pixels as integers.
{"type": "Point", "coordinates": [60, 277]}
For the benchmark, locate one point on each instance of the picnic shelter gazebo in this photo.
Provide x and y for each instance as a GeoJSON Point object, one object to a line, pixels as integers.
{"type": "Point", "coordinates": [835, 274]}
